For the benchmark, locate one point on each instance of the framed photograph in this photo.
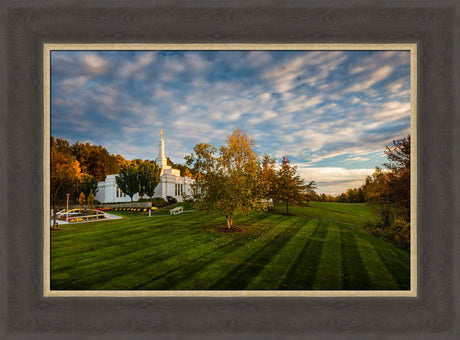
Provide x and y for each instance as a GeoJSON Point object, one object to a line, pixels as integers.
{"type": "Point", "coordinates": [324, 110]}
{"type": "Point", "coordinates": [142, 86]}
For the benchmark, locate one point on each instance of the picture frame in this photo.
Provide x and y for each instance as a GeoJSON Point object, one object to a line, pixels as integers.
{"type": "Point", "coordinates": [26, 313]}
{"type": "Point", "coordinates": [410, 49]}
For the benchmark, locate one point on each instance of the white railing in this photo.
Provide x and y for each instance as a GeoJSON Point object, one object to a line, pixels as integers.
{"type": "Point", "coordinates": [73, 215]}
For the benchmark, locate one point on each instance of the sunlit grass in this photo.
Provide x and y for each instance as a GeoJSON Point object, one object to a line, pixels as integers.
{"type": "Point", "coordinates": [311, 249]}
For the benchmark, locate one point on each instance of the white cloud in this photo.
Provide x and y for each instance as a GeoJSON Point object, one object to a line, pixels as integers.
{"type": "Point", "coordinates": [132, 67]}
{"type": "Point", "coordinates": [307, 68]}
{"type": "Point", "coordinates": [95, 64]}
{"type": "Point", "coordinates": [266, 115]}
{"type": "Point", "coordinates": [73, 83]}
{"type": "Point", "coordinates": [357, 159]}
{"type": "Point", "coordinates": [334, 180]}
{"type": "Point", "coordinates": [376, 76]}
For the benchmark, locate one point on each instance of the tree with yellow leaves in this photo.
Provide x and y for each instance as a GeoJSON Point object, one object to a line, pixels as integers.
{"type": "Point", "coordinates": [229, 183]}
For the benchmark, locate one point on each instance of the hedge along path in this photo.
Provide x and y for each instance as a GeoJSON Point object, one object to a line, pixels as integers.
{"type": "Point", "coordinates": [275, 272]}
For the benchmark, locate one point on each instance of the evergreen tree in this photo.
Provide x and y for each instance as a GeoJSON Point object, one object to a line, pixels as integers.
{"type": "Point", "coordinates": [291, 187]}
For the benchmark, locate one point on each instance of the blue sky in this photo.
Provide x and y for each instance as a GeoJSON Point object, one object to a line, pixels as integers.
{"type": "Point", "coordinates": [330, 112]}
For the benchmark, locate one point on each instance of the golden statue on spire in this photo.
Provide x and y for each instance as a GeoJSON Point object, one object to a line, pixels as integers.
{"type": "Point", "coordinates": [161, 133]}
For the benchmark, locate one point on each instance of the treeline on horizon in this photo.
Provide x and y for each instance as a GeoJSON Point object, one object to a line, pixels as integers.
{"type": "Point", "coordinates": [96, 161]}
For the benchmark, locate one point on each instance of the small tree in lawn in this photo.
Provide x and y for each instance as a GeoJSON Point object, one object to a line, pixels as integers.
{"type": "Point", "coordinates": [230, 183]}
{"type": "Point", "coordinates": [291, 187]}
{"type": "Point", "coordinates": [149, 177]}
{"type": "Point", "coordinates": [242, 189]}
{"type": "Point", "coordinates": [127, 180]}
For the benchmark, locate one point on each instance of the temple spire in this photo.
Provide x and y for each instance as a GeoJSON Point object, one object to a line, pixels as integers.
{"type": "Point", "coordinates": [161, 159]}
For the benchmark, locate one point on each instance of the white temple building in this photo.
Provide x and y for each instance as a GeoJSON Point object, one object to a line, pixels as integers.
{"type": "Point", "coordinates": [171, 183]}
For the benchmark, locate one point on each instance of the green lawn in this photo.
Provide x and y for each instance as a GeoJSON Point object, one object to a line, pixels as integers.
{"type": "Point", "coordinates": [308, 250]}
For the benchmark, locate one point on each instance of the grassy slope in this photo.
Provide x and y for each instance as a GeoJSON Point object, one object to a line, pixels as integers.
{"type": "Point", "coordinates": [186, 252]}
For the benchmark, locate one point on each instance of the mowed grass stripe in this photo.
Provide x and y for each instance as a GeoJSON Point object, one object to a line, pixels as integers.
{"type": "Point", "coordinates": [325, 213]}
{"type": "Point", "coordinates": [209, 275]}
{"type": "Point", "coordinates": [187, 252]}
{"type": "Point", "coordinates": [355, 276]}
{"type": "Point", "coordinates": [176, 276]}
{"type": "Point", "coordinates": [105, 263]}
{"type": "Point", "coordinates": [303, 272]}
{"type": "Point", "coordinates": [274, 273]}
{"type": "Point", "coordinates": [329, 275]}
{"type": "Point", "coordinates": [167, 272]}
{"type": "Point", "coordinates": [102, 236]}
{"type": "Point", "coordinates": [125, 240]}
{"type": "Point", "coordinates": [378, 273]}
{"type": "Point", "coordinates": [396, 261]}
{"type": "Point", "coordinates": [240, 276]}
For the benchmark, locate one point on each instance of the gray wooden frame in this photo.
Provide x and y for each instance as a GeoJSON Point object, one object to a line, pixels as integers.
{"type": "Point", "coordinates": [27, 24]}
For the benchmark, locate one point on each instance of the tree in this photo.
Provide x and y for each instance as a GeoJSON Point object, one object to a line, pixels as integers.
{"type": "Point", "coordinates": [81, 199]}
{"type": "Point", "coordinates": [64, 175]}
{"type": "Point", "coordinates": [149, 177]}
{"type": "Point", "coordinates": [88, 184]}
{"type": "Point", "coordinates": [290, 186]}
{"type": "Point", "coordinates": [376, 193]}
{"type": "Point", "coordinates": [268, 176]}
{"type": "Point", "coordinates": [96, 160]}
{"type": "Point", "coordinates": [389, 191]}
{"type": "Point", "coordinates": [310, 192]}
{"type": "Point", "coordinates": [90, 200]}
{"type": "Point", "coordinates": [127, 180]}
{"type": "Point", "coordinates": [230, 183]}
{"type": "Point", "coordinates": [398, 176]}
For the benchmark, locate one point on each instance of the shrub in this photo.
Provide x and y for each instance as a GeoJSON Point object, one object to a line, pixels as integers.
{"type": "Point", "coordinates": [159, 202]}
{"type": "Point", "coordinates": [171, 200]}
{"type": "Point", "coordinates": [397, 232]}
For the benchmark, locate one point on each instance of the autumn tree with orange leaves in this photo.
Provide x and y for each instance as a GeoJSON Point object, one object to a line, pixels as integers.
{"type": "Point", "coordinates": [65, 173]}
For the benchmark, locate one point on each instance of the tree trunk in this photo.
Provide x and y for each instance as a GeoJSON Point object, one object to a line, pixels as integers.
{"type": "Point", "coordinates": [229, 221]}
